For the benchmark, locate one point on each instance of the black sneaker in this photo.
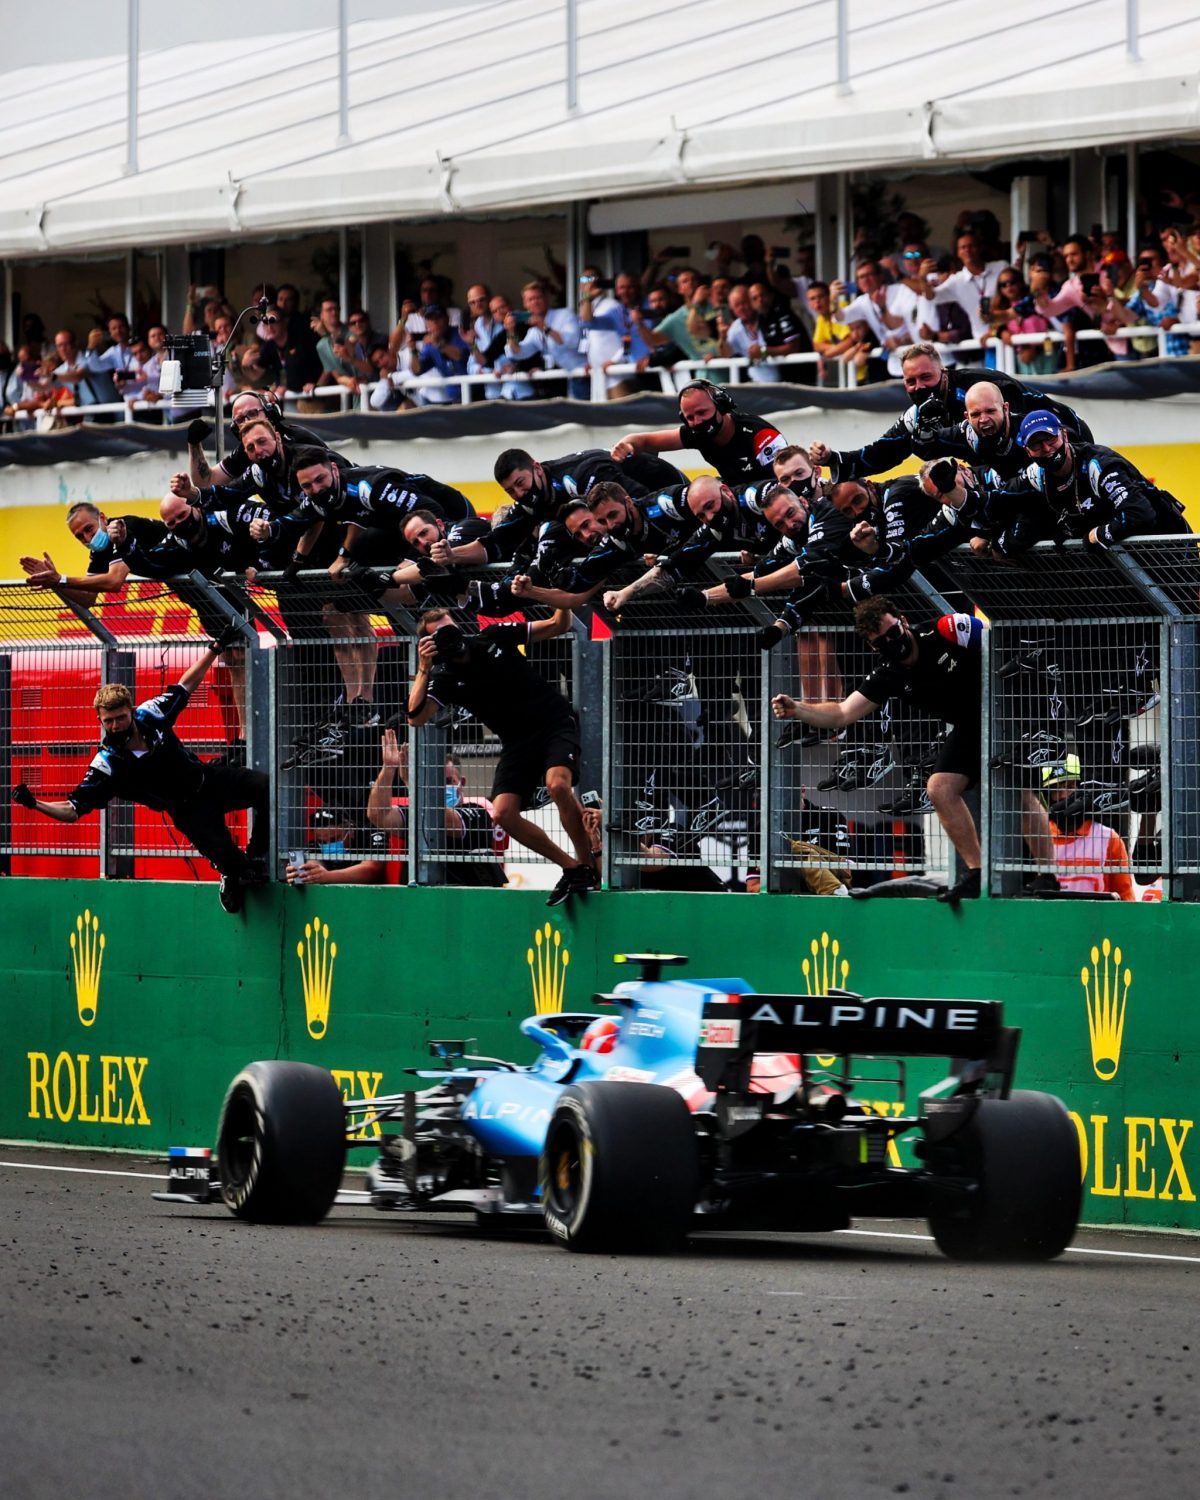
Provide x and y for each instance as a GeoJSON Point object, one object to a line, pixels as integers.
{"type": "Point", "coordinates": [232, 894]}
{"type": "Point", "coordinates": [966, 889]}
{"type": "Point", "coordinates": [574, 881]}
{"type": "Point", "coordinates": [362, 715]}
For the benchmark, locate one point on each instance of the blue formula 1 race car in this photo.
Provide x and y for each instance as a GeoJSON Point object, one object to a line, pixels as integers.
{"type": "Point", "coordinates": [692, 1104]}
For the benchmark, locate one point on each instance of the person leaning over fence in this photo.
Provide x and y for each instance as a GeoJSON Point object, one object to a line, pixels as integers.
{"type": "Point", "coordinates": [1077, 489]}
{"type": "Point", "coordinates": [739, 446]}
{"type": "Point", "coordinates": [937, 671]}
{"type": "Point", "coordinates": [537, 728]}
{"type": "Point", "coordinates": [116, 548]}
{"type": "Point", "coordinates": [142, 760]}
{"type": "Point", "coordinates": [938, 399]}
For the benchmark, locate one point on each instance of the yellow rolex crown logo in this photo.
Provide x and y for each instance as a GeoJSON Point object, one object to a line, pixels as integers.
{"type": "Point", "coordinates": [548, 970]}
{"type": "Point", "coordinates": [87, 959]}
{"type": "Point", "coordinates": [316, 954]}
{"type": "Point", "coordinates": [1106, 989]}
{"type": "Point", "coordinates": [826, 970]}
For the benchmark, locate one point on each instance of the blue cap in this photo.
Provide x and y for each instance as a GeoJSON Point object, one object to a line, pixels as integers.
{"type": "Point", "coordinates": [1036, 422]}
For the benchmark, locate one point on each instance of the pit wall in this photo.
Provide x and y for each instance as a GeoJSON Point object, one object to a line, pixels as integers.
{"type": "Point", "coordinates": [131, 1005]}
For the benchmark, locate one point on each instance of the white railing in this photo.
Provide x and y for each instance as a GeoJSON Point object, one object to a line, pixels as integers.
{"type": "Point", "coordinates": [726, 370]}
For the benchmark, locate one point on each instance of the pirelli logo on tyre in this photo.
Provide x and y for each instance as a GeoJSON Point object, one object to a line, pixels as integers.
{"type": "Point", "coordinates": [1127, 1155]}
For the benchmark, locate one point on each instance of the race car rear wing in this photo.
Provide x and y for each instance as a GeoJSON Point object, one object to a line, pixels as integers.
{"type": "Point", "coordinates": [735, 1027]}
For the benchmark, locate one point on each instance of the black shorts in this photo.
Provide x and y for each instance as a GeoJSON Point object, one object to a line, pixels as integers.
{"type": "Point", "coordinates": [523, 763]}
{"type": "Point", "coordinates": [960, 753]}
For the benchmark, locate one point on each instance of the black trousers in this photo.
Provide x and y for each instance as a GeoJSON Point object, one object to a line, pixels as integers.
{"type": "Point", "coordinates": [226, 789]}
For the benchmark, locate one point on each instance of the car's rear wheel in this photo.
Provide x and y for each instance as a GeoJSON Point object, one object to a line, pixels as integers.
{"type": "Point", "coordinates": [619, 1170]}
{"type": "Point", "coordinates": [1023, 1154]}
{"type": "Point", "coordinates": [281, 1143]}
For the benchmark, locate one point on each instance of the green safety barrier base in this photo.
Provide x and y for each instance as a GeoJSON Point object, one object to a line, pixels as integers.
{"type": "Point", "coordinates": [130, 1005]}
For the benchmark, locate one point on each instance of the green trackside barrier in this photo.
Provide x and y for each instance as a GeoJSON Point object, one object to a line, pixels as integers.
{"type": "Point", "coordinates": [130, 1005]}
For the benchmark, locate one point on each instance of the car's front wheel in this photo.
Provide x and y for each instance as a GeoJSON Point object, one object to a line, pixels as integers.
{"type": "Point", "coordinates": [619, 1170]}
{"type": "Point", "coordinates": [281, 1143]}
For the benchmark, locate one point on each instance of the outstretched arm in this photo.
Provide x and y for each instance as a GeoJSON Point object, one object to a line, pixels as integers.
{"type": "Point", "coordinates": [824, 715]}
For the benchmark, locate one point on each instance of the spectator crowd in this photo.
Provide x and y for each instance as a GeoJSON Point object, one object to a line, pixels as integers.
{"type": "Point", "coordinates": [748, 302]}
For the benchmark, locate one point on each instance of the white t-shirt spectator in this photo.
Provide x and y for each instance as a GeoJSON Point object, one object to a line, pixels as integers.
{"type": "Point", "coordinates": [901, 303]}
{"type": "Point", "coordinates": [740, 338]}
{"type": "Point", "coordinates": [971, 291]}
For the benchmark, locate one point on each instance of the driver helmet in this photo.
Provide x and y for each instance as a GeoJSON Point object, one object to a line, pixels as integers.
{"type": "Point", "coordinates": [601, 1035]}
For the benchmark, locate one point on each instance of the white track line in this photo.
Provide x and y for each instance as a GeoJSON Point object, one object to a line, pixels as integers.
{"type": "Point", "coordinates": [882, 1234]}
{"type": "Point", "coordinates": [870, 1234]}
{"type": "Point", "coordinates": [35, 1166]}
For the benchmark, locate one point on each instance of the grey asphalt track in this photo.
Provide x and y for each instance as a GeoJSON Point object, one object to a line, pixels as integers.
{"type": "Point", "coordinates": [149, 1350]}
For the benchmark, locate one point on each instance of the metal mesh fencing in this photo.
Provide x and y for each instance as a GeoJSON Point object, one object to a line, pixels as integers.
{"type": "Point", "coordinates": [1092, 719]}
{"type": "Point", "coordinates": [1091, 733]}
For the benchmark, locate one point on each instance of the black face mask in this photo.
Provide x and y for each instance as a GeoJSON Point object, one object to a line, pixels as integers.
{"type": "Point", "coordinates": [892, 645]}
{"type": "Point", "coordinates": [709, 429]}
{"type": "Point", "coordinates": [118, 739]}
{"type": "Point", "coordinates": [1055, 462]}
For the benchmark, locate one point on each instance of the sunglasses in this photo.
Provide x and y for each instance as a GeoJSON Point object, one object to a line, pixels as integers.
{"type": "Point", "coordinates": [893, 633]}
{"type": "Point", "coordinates": [1008, 281]}
{"type": "Point", "coordinates": [911, 255]}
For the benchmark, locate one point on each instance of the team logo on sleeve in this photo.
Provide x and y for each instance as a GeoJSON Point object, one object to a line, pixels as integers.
{"type": "Point", "coordinates": [767, 444]}
{"type": "Point", "coordinates": [959, 628]}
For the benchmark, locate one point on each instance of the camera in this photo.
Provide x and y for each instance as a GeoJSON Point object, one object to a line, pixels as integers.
{"type": "Point", "coordinates": [1089, 281]}
{"type": "Point", "coordinates": [449, 642]}
{"type": "Point", "coordinates": [187, 370]}
{"type": "Point", "coordinates": [1025, 307]}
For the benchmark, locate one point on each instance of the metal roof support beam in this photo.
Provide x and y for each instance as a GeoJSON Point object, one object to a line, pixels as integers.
{"type": "Point", "coordinates": [572, 56]}
{"type": "Point", "coordinates": [133, 15]}
{"type": "Point", "coordinates": [843, 46]}
{"type": "Point", "coordinates": [1132, 32]}
{"type": "Point", "coordinates": [343, 138]}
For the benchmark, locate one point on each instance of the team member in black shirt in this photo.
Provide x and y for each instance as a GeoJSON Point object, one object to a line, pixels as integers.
{"type": "Point", "coordinates": [1083, 490]}
{"type": "Point", "coordinates": [247, 407]}
{"type": "Point", "coordinates": [938, 398]}
{"type": "Point", "coordinates": [143, 760]}
{"type": "Point", "coordinates": [116, 548]}
{"type": "Point", "coordinates": [938, 672]}
{"type": "Point", "coordinates": [740, 447]}
{"type": "Point", "coordinates": [536, 726]}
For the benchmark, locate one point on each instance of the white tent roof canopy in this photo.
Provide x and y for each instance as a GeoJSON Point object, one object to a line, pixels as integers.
{"type": "Point", "coordinates": [241, 137]}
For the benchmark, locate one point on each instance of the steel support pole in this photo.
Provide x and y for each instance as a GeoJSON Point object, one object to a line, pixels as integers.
{"type": "Point", "coordinates": [343, 138]}
{"type": "Point", "coordinates": [572, 57]}
{"type": "Point", "coordinates": [133, 17]}
{"type": "Point", "coordinates": [843, 47]}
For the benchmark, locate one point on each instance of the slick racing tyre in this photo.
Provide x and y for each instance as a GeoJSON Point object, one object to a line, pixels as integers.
{"type": "Point", "coordinates": [1023, 1154]}
{"type": "Point", "coordinates": [281, 1143]}
{"type": "Point", "coordinates": [619, 1170]}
